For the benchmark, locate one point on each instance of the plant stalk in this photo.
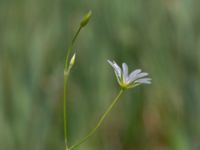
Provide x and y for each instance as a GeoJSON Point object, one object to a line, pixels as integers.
{"type": "Point", "coordinates": [66, 76]}
{"type": "Point", "coordinates": [99, 122]}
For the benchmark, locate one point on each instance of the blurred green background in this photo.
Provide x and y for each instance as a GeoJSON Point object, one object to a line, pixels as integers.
{"type": "Point", "coordinates": [160, 36]}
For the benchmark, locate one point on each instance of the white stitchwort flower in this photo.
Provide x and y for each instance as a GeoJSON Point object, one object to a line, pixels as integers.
{"type": "Point", "coordinates": [131, 80]}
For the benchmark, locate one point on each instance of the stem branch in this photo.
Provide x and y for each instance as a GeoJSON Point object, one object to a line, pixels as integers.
{"type": "Point", "coordinates": [99, 122]}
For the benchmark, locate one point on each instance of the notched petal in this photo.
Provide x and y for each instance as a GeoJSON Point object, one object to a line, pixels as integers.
{"type": "Point", "coordinates": [141, 75]}
{"type": "Point", "coordinates": [144, 81]}
{"type": "Point", "coordinates": [133, 74]}
{"type": "Point", "coordinates": [116, 68]}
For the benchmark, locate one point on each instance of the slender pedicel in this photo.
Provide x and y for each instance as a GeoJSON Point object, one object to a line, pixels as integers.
{"type": "Point", "coordinates": [102, 118]}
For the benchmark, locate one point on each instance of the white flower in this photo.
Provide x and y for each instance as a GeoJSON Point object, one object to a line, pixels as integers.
{"type": "Point", "coordinates": [131, 80]}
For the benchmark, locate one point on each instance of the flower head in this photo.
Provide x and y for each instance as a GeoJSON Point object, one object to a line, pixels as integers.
{"type": "Point", "coordinates": [131, 80]}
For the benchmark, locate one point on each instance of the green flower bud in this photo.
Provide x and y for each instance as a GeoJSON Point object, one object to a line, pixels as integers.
{"type": "Point", "coordinates": [86, 19]}
{"type": "Point", "coordinates": [72, 61]}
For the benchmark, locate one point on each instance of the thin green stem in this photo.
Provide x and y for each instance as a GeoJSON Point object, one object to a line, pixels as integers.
{"type": "Point", "coordinates": [99, 122]}
{"type": "Point", "coordinates": [65, 106]}
{"type": "Point", "coordinates": [66, 76]}
{"type": "Point", "coordinates": [76, 35]}
{"type": "Point", "coordinates": [70, 48]}
{"type": "Point", "coordinates": [67, 69]}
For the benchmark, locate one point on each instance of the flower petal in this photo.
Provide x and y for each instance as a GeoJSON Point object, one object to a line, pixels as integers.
{"type": "Point", "coordinates": [110, 62]}
{"type": "Point", "coordinates": [144, 81]}
{"type": "Point", "coordinates": [133, 75]}
{"type": "Point", "coordinates": [125, 72]}
{"type": "Point", "coordinates": [116, 68]}
{"type": "Point", "coordinates": [141, 75]}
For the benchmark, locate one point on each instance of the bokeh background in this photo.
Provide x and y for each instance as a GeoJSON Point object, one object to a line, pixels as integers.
{"type": "Point", "coordinates": [160, 36]}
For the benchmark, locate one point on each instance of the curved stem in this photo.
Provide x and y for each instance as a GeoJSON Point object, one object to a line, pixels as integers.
{"type": "Point", "coordinates": [99, 122]}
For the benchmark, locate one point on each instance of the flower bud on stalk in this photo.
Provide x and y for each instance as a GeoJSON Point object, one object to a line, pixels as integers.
{"type": "Point", "coordinates": [86, 19]}
{"type": "Point", "coordinates": [72, 61]}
